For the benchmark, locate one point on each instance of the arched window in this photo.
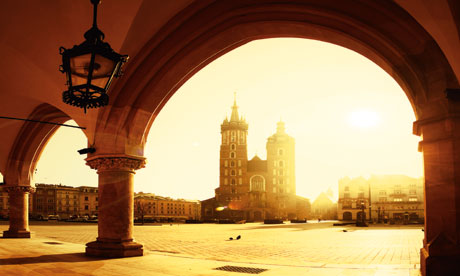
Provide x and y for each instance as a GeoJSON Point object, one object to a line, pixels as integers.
{"type": "Point", "coordinates": [233, 172]}
{"type": "Point", "coordinates": [232, 155]}
{"type": "Point", "coordinates": [257, 183]}
{"type": "Point", "coordinates": [233, 147]}
{"type": "Point", "coordinates": [232, 164]}
{"type": "Point", "coordinates": [233, 181]}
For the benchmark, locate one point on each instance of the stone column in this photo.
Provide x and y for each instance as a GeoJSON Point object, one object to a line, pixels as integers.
{"type": "Point", "coordinates": [19, 211]}
{"type": "Point", "coordinates": [116, 206]}
{"type": "Point", "coordinates": [440, 254]}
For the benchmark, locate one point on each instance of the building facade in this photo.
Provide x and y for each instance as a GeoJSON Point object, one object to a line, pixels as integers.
{"type": "Point", "coordinates": [254, 189]}
{"type": "Point", "coordinates": [64, 201]}
{"type": "Point", "coordinates": [158, 208]}
{"type": "Point", "coordinates": [392, 198]}
{"type": "Point", "coordinates": [324, 206]}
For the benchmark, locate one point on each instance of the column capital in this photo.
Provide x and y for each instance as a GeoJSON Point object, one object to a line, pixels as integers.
{"type": "Point", "coordinates": [116, 162]}
{"type": "Point", "coordinates": [23, 189]}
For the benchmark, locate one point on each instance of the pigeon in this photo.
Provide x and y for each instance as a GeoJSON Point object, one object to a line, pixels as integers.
{"type": "Point", "coordinates": [344, 230]}
{"type": "Point", "coordinates": [230, 238]}
{"type": "Point", "coordinates": [239, 237]}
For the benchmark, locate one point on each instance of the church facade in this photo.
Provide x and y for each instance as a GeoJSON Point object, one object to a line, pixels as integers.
{"type": "Point", "coordinates": [255, 189]}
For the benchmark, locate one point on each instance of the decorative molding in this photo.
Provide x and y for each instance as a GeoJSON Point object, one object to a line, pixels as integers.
{"type": "Point", "coordinates": [115, 163]}
{"type": "Point", "coordinates": [17, 189]}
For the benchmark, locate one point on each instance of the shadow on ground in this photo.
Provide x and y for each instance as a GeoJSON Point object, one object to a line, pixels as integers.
{"type": "Point", "coordinates": [54, 258]}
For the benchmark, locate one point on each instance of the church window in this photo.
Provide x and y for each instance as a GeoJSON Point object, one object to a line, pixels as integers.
{"type": "Point", "coordinates": [239, 163]}
{"type": "Point", "coordinates": [280, 151]}
{"type": "Point", "coordinates": [233, 172]}
{"type": "Point", "coordinates": [226, 163]}
{"type": "Point", "coordinates": [240, 172]}
{"type": "Point", "coordinates": [233, 147]}
{"type": "Point", "coordinates": [232, 155]}
{"type": "Point", "coordinates": [232, 164]}
{"type": "Point", "coordinates": [233, 182]}
{"type": "Point", "coordinates": [257, 183]}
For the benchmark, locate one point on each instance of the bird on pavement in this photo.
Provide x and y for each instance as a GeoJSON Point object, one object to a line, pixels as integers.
{"type": "Point", "coordinates": [239, 237]}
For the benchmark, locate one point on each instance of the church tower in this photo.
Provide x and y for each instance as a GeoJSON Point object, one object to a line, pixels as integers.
{"type": "Point", "coordinates": [281, 186]}
{"type": "Point", "coordinates": [233, 186]}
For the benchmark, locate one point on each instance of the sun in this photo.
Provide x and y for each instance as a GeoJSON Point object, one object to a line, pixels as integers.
{"type": "Point", "coordinates": [363, 118]}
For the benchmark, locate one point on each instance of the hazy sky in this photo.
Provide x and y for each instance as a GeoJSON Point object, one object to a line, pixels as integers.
{"type": "Point", "coordinates": [348, 117]}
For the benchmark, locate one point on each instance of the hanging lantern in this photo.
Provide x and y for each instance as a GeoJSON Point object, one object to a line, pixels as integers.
{"type": "Point", "coordinates": [90, 68]}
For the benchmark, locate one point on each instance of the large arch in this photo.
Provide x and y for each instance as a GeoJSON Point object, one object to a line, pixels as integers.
{"type": "Point", "coordinates": [381, 31]}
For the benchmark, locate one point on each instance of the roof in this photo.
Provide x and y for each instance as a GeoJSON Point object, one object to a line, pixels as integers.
{"type": "Point", "coordinates": [257, 165]}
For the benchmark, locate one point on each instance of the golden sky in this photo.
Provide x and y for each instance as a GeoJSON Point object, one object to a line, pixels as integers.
{"type": "Point", "coordinates": [348, 117]}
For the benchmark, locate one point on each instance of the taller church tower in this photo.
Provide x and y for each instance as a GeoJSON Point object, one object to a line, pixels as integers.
{"type": "Point", "coordinates": [233, 186]}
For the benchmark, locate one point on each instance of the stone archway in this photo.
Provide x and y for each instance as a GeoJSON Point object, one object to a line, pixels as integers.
{"type": "Point", "coordinates": [22, 161]}
{"type": "Point", "coordinates": [378, 30]}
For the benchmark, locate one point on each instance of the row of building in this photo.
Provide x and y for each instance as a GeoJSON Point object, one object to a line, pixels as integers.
{"type": "Point", "coordinates": [65, 202]}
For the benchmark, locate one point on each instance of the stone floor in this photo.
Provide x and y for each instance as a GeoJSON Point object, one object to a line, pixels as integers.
{"type": "Point", "coordinates": [289, 249]}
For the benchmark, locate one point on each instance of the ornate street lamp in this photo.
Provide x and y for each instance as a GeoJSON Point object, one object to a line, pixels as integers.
{"type": "Point", "coordinates": [90, 68]}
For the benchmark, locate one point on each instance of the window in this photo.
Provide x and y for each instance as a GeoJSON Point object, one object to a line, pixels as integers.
{"type": "Point", "coordinates": [346, 188]}
{"type": "Point", "coordinates": [397, 199]}
{"type": "Point", "coordinates": [281, 182]}
{"type": "Point", "coordinates": [382, 199]}
{"type": "Point", "coordinates": [233, 172]}
{"type": "Point", "coordinates": [233, 182]}
{"type": "Point", "coordinates": [86, 198]}
{"type": "Point", "coordinates": [232, 155]}
{"type": "Point", "coordinates": [233, 147]}
{"type": "Point", "coordinates": [274, 181]}
{"type": "Point", "coordinates": [398, 192]}
{"type": "Point", "coordinates": [232, 164]}
{"type": "Point", "coordinates": [226, 172]}
{"type": "Point", "coordinates": [239, 163]}
{"type": "Point", "coordinates": [274, 189]}
{"type": "Point", "coordinates": [96, 199]}
{"type": "Point", "coordinates": [346, 195]}
{"type": "Point", "coordinates": [240, 172]}
{"type": "Point", "coordinates": [382, 193]}
{"type": "Point", "coordinates": [280, 151]}
{"type": "Point", "coordinates": [240, 181]}
{"type": "Point", "coordinates": [412, 192]}
{"type": "Point", "coordinates": [233, 191]}
{"type": "Point", "coordinates": [280, 172]}
{"type": "Point", "coordinates": [281, 163]}
{"type": "Point", "coordinates": [225, 181]}
{"type": "Point", "coordinates": [274, 172]}
{"type": "Point", "coordinates": [226, 163]}
{"type": "Point", "coordinates": [232, 139]}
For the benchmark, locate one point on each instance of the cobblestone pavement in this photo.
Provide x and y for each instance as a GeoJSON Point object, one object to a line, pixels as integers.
{"type": "Point", "coordinates": [311, 244]}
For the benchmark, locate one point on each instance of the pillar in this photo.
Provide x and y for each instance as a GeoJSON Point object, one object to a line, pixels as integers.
{"type": "Point", "coordinates": [116, 206]}
{"type": "Point", "coordinates": [440, 254]}
{"type": "Point", "coordinates": [19, 211]}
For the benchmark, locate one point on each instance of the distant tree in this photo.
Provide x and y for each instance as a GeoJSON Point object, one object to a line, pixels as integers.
{"type": "Point", "coordinates": [140, 209]}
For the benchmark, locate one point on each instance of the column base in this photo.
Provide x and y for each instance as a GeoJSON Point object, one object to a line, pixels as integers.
{"type": "Point", "coordinates": [20, 234]}
{"type": "Point", "coordinates": [439, 265]}
{"type": "Point", "coordinates": [114, 249]}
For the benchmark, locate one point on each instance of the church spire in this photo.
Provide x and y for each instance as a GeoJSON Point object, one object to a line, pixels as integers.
{"type": "Point", "coordinates": [234, 117]}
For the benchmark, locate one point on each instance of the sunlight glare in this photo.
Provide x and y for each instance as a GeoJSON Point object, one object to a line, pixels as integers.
{"type": "Point", "coordinates": [363, 118]}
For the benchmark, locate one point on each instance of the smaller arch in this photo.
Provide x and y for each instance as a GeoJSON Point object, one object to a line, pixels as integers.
{"type": "Point", "coordinates": [347, 216]}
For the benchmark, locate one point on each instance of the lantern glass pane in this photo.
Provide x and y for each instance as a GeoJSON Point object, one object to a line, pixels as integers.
{"type": "Point", "coordinates": [79, 67]}
{"type": "Point", "coordinates": [103, 69]}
